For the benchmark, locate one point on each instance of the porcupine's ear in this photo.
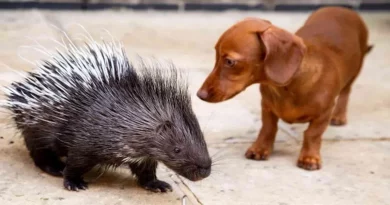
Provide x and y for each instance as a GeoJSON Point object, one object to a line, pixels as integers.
{"type": "Point", "coordinates": [283, 52]}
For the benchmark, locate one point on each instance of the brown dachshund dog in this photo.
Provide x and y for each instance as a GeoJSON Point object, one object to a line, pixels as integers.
{"type": "Point", "coordinates": [304, 77]}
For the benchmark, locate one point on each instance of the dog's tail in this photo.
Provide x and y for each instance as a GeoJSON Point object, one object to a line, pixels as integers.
{"type": "Point", "coordinates": [369, 48]}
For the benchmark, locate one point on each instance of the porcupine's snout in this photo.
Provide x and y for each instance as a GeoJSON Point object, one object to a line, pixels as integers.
{"type": "Point", "coordinates": [196, 170]}
{"type": "Point", "coordinates": [189, 159]}
{"type": "Point", "coordinates": [198, 165]}
{"type": "Point", "coordinates": [203, 169]}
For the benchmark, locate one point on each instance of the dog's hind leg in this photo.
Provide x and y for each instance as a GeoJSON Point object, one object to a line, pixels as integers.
{"type": "Point", "coordinates": [339, 116]}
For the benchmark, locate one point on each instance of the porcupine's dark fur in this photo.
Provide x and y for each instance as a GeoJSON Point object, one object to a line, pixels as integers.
{"type": "Point", "coordinates": [93, 106]}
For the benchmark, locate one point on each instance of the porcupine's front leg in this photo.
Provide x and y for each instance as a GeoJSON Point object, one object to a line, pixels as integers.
{"type": "Point", "coordinates": [76, 167]}
{"type": "Point", "coordinates": [146, 174]}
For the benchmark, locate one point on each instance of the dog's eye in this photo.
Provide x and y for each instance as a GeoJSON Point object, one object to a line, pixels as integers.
{"type": "Point", "coordinates": [230, 62]}
{"type": "Point", "coordinates": [177, 150]}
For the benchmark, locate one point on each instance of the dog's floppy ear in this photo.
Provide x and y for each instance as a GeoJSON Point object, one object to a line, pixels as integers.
{"type": "Point", "coordinates": [283, 54]}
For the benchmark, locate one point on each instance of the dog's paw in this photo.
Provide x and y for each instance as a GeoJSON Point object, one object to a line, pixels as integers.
{"type": "Point", "coordinates": [256, 153]}
{"type": "Point", "coordinates": [309, 163]}
{"type": "Point", "coordinates": [75, 184]}
{"type": "Point", "coordinates": [338, 121]}
{"type": "Point", "coordinates": [157, 186]}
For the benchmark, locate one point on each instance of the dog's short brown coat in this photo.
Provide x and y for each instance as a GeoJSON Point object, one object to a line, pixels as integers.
{"type": "Point", "coordinates": [304, 77]}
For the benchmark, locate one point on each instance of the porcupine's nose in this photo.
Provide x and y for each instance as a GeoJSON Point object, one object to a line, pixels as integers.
{"type": "Point", "coordinates": [205, 168]}
{"type": "Point", "coordinates": [204, 172]}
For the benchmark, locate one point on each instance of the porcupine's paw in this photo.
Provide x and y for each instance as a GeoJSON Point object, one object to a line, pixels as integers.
{"type": "Point", "coordinates": [75, 184]}
{"type": "Point", "coordinates": [157, 186]}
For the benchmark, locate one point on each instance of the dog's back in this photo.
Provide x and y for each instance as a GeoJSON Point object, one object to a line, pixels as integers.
{"type": "Point", "coordinates": [340, 27]}
{"type": "Point", "coordinates": [342, 34]}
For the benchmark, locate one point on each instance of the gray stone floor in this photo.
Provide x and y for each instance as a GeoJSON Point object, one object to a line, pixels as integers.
{"type": "Point", "coordinates": [356, 157]}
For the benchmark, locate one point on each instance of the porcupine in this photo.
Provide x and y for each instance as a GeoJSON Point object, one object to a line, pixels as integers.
{"type": "Point", "coordinates": [93, 106]}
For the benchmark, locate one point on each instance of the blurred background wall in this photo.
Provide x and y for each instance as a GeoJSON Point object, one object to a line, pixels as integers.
{"type": "Point", "coordinates": [190, 5]}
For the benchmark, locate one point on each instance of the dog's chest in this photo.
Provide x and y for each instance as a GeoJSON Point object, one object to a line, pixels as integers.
{"type": "Point", "coordinates": [291, 113]}
{"type": "Point", "coordinates": [287, 106]}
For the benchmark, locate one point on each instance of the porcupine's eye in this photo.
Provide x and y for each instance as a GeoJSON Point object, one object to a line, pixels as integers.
{"type": "Point", "coordinates": [177, 150]}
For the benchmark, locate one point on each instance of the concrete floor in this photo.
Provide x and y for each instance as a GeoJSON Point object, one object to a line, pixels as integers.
{"type": "Point", "coordinates": [356, 158]}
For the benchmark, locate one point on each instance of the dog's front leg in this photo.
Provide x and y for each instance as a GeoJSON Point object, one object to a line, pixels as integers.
{"type": "Point", "coordinates": [310, 158]}
{"type": "Point", "coordinates": [262, 147]}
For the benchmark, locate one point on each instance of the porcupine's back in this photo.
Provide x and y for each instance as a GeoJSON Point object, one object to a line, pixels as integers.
{"type": "Point", "coordinates": [95, 91]}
